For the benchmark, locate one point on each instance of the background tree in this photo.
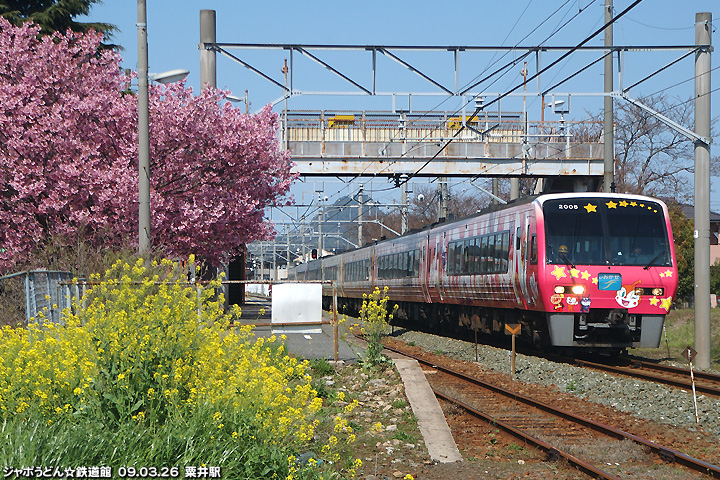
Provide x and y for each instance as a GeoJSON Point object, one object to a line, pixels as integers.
{"type": "Point", "coordinates": [423, 207]}
{"type": "Point", "coordinates": [650, 157]}
{"type": "Point", "coordinates": [69, 152]}
{"type": "Point", "coordinates": [683, 229]}
{"type": "Point", "coordinates": [53, 15]}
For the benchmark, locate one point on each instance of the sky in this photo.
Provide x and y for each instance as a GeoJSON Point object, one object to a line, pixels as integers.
{"type": "Point", "coordinates": [173, 37]}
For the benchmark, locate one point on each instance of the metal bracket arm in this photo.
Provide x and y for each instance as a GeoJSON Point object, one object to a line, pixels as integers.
{"type": "Point", "coordinates": [670, 123]}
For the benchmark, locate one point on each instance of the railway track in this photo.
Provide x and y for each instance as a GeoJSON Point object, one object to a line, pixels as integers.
{"type": "Point", "coordinates": [558, 432]}
{"type": "Point", "coordinates": [667, 375]}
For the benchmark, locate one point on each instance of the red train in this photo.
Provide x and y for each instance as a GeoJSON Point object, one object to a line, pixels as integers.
{"type": "Point", "coordinates": [588, 270]}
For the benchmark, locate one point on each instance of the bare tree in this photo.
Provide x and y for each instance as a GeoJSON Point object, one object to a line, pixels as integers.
{"type": "Point", "coordinates": [650, 157]}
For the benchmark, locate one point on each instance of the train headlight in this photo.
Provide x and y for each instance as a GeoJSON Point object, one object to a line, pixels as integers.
{"type": "Point", "coordinates": [559, 289]}
{"type": "Point", "coordinates": [578, 289]}
{"type": "Point", "coordinates": [657, 291]}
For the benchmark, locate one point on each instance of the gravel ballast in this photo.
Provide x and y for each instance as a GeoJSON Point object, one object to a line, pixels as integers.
{"type": "Point", "coordinates": [641, 398]}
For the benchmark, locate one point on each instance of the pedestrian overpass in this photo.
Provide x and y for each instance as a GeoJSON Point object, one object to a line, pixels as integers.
{"type": "Point", "coordinates": [439, 144]}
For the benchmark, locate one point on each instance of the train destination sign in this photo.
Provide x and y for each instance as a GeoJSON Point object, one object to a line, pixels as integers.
{"type": "Point", "coordinates": [609, 281]}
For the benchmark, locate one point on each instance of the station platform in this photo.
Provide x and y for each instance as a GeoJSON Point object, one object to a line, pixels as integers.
{"type": "Point", "coordinates": [431, 420]}
{"type": "Point", "coordinates": [311, 346]}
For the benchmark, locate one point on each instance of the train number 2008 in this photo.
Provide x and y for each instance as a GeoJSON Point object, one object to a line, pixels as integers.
{"type": "Point", "coordinates": [567, 206]}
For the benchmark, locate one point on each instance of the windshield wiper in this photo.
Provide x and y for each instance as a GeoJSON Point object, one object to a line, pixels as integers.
{"type": "Point", "coordinates": [654, 259]}
{"type": "Point", "coordinates": [565, 259]}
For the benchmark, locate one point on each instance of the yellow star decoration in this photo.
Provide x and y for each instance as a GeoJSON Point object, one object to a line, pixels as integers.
{"type": "Point", "coordinates": [590, 208]}
{"type": "Point", "coordinates": [633, 204]}
{"type": "Point", "coordinates": [666, 303]}
{"type": "Point", "coordinates": [642, 205]}
{"type": "Point", "coordinates": [595, 280]}
{"type": "Point", "coordinates": [574, 272]}
{"type": "Point", "coordinates": [611, 204]}
{"type": "Point", "coordinates": [559, 272]}
{"type": "Point", "coordinates": [666, 274]}
{"type": "Point", "coordinates": [585, 275]}
{"type": "Point", "coordinates": [654, 301]}
{"type": "Point", "coordinates": [623, 203]}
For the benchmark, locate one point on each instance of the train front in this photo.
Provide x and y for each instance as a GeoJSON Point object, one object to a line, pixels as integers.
{"type": "Point", "coordinates": [608, 274]}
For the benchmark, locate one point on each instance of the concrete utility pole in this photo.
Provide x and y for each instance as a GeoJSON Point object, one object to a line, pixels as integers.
{"type": "Point", "coordinates": [360, 216]}
{"type": "Point", "coordinates": [143, 133]}
{"type": "Point", "coordinates": [443, 200]}
{"type": "Point", "coordinates": [703, 38]}
{"type": "Point", "coordinates": [288, 262]}
{"type": "Point", "coordinates": [208, 69]}
{"type": "Point", "coordinates": [404, 207]}
{"type": "Point", "coordinates": [320, 223]}
{"type": "Point", "coordinates": [608, 117]}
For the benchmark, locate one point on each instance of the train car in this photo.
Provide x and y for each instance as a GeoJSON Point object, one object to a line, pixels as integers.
{"type": "Point", "coordinates": [585, 270]}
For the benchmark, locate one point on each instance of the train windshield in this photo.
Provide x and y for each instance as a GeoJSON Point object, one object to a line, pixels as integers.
{"type": "Point", "coordinates": [605, 231]}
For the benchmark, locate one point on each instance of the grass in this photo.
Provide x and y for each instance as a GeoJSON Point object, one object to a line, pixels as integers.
{"type": "Point", "coordinates": [680, 331]}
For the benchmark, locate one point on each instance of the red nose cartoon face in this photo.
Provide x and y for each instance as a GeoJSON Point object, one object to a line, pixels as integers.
{"type": "Point", "coordinates": [627, 297]}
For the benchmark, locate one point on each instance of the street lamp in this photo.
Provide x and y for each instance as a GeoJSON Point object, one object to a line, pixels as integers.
{"type": "Point", "coordinates": [170, 76]}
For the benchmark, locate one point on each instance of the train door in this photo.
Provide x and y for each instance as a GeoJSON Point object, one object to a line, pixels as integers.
{"type": "Point", "coordinates": [425, 269]}
{"type": "Point", "coordinates": [529, 279]}
{"type": "Point", "coordinates": [519, 259]}
{"type": "Point", "coordinates": [433, 265]}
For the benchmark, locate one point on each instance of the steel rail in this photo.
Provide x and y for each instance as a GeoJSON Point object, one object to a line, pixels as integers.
{"type": "Point", "coordinates": [667, 454]}
{"type": "Point", "coordinates": [553, 453]}
{"type": "Point", "coordinates": [713, 377]}
{"type": "Point", "coordinates": [632, 371]}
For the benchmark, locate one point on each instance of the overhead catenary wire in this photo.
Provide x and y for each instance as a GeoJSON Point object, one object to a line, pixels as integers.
{"type": "Point", "coordinates": [537, 74]}
{"type": "Point", "coordinates": [505, 67]}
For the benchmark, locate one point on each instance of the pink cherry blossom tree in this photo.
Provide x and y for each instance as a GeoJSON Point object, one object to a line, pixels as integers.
{"type": "Point", "coordinates": [68, 148]}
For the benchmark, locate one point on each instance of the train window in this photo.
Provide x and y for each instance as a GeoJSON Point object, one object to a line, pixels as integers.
{"type": "Point", "coordinates": [473, 262]}
{"type": "Point", "coordinates": [533, 250]}
{"type": "Point", "coordinates": [459, 258]}
{"type": "Point", "coordinates": [492, 255]}
{"type": "Point", "coordinates": [484, 256]}
{"type": "Point", "coordinates": [450, 265]}
{"type": "Point", "coordinates": [463, 257]}
{"type": "Point", "coordinates": [518, 237]}
{"type": "Point", "coordinates": [416, 264]}
{"type": "Point", "coordinates": [505, 252]}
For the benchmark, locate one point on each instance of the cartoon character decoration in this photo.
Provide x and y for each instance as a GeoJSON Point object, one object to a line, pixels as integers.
{"type": "Point", "coordinates": [572, 301]}
{"type": "Point", "coordinates": [585, 305]}
{"type": "Point", "coordinates": [627, 297]}
{"type": "Point", "coordinates": [557, 301]}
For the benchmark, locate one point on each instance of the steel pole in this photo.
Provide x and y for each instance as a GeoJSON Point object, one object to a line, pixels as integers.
{"type": "Point", "coordinates": [143, 133]}
{"type": "Point", "coordinates": [404, 207]}
{"type": "Point", "coordinates": [208, 70]}
{"type": "Point", "coordinates": [608, 117]}
{"type": "Point", "coordinates": [360, 216]}
{"type": "Point", "coordinates": [703, 38]}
